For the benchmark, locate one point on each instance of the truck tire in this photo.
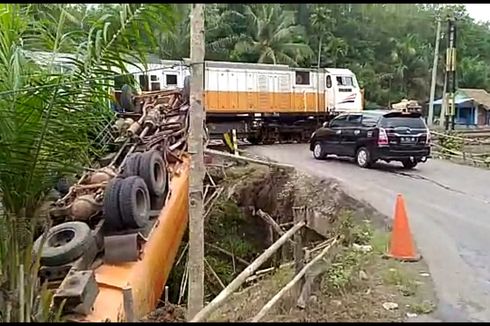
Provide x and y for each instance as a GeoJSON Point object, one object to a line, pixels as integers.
{"type": "Point", "coordinates": [134, 202]}
{"type": "Point", "coordinates": [63, 186]}
{"type": "Point", "coordinates": [112, 213]}
{"type": "Point", "coordinates": [131, 167]}
{"type": "Point", "coordinates": [157, 202]}
{"type": "Point", "coordinates": [153, 171]}
{"type": "Point", "coordinates": [65, 243]}
{"type": "Point", "coordinates": [126, 100]}
{"type": "Point", "coordinates": [254, 139]}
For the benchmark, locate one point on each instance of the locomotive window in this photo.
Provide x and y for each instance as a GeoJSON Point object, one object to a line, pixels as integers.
{"type": "Point", "coordinates": [171, 79]}
{"type": "Point", "coordinates": [155, 86]}
{"type": "Point", "coordinates": [329, 81]}
{"type": "Point", "coordinates": [344, 81]}
{"type": "Point", "coordinates": [302, 78]}
{"type": "Point", "coordinates": [153, 77]}
{"type": "Point", "coordinates": [144, 84]}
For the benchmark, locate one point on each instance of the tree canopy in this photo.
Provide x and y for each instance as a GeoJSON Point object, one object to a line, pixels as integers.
{"type": "Point", "coordinates": [389, 46]}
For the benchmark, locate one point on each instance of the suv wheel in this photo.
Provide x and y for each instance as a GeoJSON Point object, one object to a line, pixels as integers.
{"type": "Point", "coordinates": [363, 157]}
{"type": "Point", "coordinates": [409, 164]}
{"type": "Point", "coordinates": [318, 151]}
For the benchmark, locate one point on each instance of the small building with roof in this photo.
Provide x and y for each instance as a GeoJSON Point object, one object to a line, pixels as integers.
{"type": "Point", "coordinates": [472, 107]}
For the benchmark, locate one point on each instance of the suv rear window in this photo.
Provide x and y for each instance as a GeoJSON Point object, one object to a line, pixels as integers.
{"type": "Point", "coordinates": [410, 122]}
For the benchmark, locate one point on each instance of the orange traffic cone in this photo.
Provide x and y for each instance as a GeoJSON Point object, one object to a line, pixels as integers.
{"type": "Point", "coordinates": [402, 246]}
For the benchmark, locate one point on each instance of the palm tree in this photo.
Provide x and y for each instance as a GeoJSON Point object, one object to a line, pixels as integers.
{"type": "Point", "coordinates": [272, 36]}
{"type": "Point", "coordinates": [321, 21]}
{"type": "Point", "coordinates": [47, 116]}
{"type": "Point", "coordinates": [176, 45]}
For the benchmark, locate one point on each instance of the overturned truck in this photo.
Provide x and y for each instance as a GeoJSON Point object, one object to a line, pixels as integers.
{"type": "Point", "coordinates": [116, 232]}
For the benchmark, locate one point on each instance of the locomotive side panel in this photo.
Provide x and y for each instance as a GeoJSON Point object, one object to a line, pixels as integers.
{"type": "Point", "coordinates": [256, 88]}
{"type": "Point", "coordinates": [305, 91]}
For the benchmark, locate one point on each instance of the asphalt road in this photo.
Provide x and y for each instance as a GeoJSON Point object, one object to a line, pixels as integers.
{"type": "Point", "coordinates": [449, 213]}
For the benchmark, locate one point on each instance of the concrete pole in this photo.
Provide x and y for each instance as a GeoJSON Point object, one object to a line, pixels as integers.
{"type": "Point", "coordinates": [195, 298]}
{"type": "Point", "coordinates": [430, 117]}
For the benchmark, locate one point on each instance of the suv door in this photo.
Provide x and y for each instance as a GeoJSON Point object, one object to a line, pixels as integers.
{"type": "Point", "coordinates": [368, 135]}
{"type": "Point", "coordinates": [336, 127]}
{"type": "Point", "coordinates": [350, 134]}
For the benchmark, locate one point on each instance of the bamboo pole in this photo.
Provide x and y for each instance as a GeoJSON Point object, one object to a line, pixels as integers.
{"type": "Point", "coordinates": [214, 274]}
{"type": "Point", "coordinates": [299, 255]}
{"type": "Point", "coordinates": [240, 279]}
{"type": "Point", "coordinates": [288, 286]}
{"type": "Point", "coordinates": [247, 159]}
{"type": "Point", "coordinates": [226, 252]}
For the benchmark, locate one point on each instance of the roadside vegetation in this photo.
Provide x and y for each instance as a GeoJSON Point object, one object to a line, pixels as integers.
{"type": "Point", "coordinates": [50, 117]}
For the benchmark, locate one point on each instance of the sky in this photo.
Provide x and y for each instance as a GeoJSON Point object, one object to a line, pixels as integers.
{"type": "Point", "coordinates": [479, 11]}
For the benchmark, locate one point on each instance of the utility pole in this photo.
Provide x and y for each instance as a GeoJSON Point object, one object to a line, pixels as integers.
{"type": "Point", "coordinates": [450, 74]}
{"type": "Point", "coordinates": [430, 118]}
{"type": "Point", "coordinates": [195, 298]}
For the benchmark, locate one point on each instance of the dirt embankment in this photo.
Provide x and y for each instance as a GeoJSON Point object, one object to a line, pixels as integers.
{"type": "Point", "coordinates": [355, 285]}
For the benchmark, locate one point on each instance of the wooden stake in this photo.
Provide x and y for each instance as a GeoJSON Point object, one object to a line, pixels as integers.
{"type": "Point", "coordinates": [293, 282]}
{"type": "Point", "coordinates": [21, 294]}
{"type": "Point", "coordinates": [311, 277]}
{"type": "Point", "coordinates": [195, 299]}
{"type": "Point", "coordinates": [299, 216]}
{"type": "Point", "coordinates": [240, 279]}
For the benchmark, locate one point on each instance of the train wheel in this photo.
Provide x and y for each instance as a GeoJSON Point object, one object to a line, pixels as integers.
{"type": "Point", "coordinates": [254, 139]}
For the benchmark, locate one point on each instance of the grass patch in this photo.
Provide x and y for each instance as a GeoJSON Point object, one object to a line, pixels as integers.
{"type": "Point", "coordinates": [426, 307]}
{"type": "Point", "coordinates": [401, 280]}
{"type": "Point", "coordinates": [379, 242]}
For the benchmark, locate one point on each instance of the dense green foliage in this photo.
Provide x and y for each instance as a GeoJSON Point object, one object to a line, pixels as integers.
{"type": "Point", "coordinates": [50, 117]}
{"type": "Point", "coordinates": [389, 46]}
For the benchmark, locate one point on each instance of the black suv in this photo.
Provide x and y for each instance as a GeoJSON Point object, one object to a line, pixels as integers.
{"type": "Point", "coordinates": [374, 135]}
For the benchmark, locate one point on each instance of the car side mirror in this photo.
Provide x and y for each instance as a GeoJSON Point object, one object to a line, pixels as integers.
{"type": "Point", "coordinates": [325, 124]}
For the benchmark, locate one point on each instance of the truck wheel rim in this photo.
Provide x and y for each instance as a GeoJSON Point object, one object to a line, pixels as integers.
{"type": "Point", "coordinates": [317, 150]}
{"type": "Point", "coordinates": [362, 157]}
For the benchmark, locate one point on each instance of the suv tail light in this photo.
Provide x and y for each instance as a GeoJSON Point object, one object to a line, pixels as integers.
{"type": "Point", "coordinates": [428, 138]}
{"type": "Point", "coordinates": [382, 137]}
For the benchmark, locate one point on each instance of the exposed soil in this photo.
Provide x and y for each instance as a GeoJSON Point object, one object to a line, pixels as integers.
{"type": "Point", "coordinates": [167, 314]}
{"type": "Point", "coordinates": [340, 295]}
